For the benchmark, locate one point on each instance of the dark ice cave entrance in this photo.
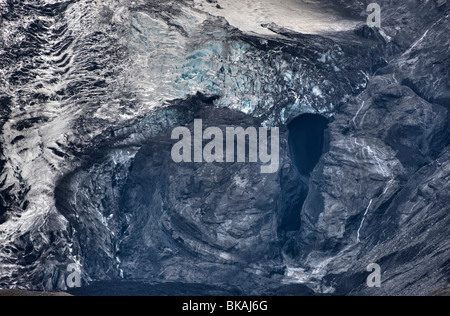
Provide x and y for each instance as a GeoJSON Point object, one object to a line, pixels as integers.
{"type": "Point", "coordinates": [306, 141]}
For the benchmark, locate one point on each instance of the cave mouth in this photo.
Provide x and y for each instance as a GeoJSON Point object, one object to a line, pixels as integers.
{"type": "Point", "coordinates": [306, 141]}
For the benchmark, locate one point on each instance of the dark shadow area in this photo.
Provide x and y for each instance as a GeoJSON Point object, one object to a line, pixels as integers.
{"type": "Point", "coordinates": [136, 288]}
{"type": "Point", "coordinates": [306, 145]}
{"type": "Point", "coordinates": [5, 105]}
{"type": "Point", "coordinates": [306, 141]}
{"type": "Point", "coordinates": [293, 196]}
{"type": "Point", "coordinates": [3, 211]}
{"type": "Point", "coordinates": [5, 200]}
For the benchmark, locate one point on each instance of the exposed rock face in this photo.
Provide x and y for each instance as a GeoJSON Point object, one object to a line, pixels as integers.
{"type": "Point", "coordinates": [385, 176]}
{"type": "Point", "coordinates": [92, 92]}
{"type": "Point", "coordinates": [223, 213]}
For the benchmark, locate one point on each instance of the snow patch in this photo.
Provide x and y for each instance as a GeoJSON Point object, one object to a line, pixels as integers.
{"type": "Point", "coordinates": [300, 16]}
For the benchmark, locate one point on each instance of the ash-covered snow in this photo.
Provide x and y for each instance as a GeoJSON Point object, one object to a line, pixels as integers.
{"type": "Point", "coordinates": [307, 17]}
